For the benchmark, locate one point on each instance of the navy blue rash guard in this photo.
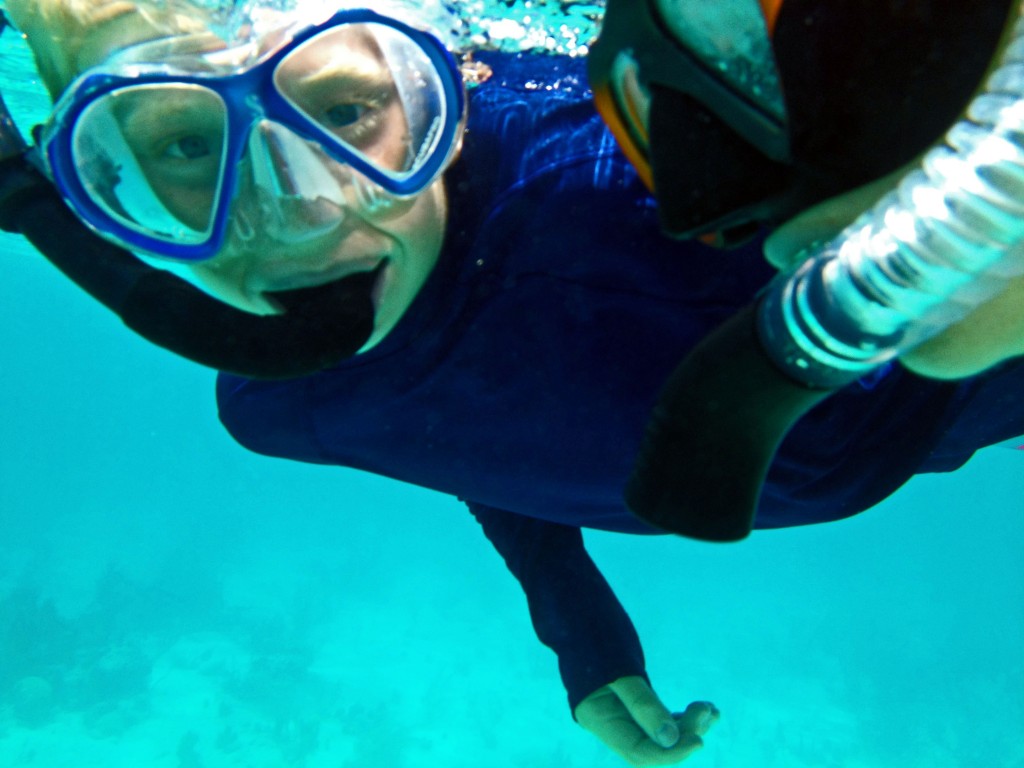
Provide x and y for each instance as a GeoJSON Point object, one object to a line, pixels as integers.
{"type": "Point", "coordinates": [521, 378]}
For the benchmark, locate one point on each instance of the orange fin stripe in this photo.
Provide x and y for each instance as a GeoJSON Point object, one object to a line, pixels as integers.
{"type": "Point", "coordinates": [608, 109]}
{"type": "Point", "coordinates": [770, 9]}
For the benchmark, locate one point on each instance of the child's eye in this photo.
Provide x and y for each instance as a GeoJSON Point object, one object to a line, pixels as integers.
{"type": "Point", "coordinates": [357, 121]}
{"type": "Point", "coordinates": [344, 115]}
{"type": "Point", "coordinates": [192, 147]}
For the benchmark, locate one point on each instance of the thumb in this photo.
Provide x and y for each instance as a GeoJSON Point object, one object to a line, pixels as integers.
{"type": "Point", "coordinates": [698, 717]}
{"type": "Point", "coordinates": [646, 709]}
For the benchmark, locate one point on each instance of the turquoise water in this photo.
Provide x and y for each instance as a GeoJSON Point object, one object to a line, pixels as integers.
{"type": "Point", "coordinates": [167, 599]}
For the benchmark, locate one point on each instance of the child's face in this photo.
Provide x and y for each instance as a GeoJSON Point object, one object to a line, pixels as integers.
{"type": "Point", "coordinates": [278, 246]}
{"type": "Point", "coordinates": [409, 240]}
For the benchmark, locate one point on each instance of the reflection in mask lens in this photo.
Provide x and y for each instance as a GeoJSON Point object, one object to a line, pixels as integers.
{"type": "Point", "coordinates": [152, 157]}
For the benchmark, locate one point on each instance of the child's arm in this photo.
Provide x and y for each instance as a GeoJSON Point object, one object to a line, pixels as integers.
{"type": "Point", "coordinates": [576, 614]}
{"type": "Point", "coordinates": [574, 611]}
{"type": "Point", "coordinates": [991, 334]}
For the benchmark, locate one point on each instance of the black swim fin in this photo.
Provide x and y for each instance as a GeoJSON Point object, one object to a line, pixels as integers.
{"type": "Point", "coordinates": [713, 434]}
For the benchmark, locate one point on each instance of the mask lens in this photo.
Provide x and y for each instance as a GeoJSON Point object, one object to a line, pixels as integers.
{"type": "Point", "coordinates": [151, 157]}
{"type": "Point", "coordinates": [374, 92]}
{"type": "Point", "coordinates": [731, 38]}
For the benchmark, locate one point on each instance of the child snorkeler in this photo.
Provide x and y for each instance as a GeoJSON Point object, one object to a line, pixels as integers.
{"type": "Point", "coordinates": [516, 310]}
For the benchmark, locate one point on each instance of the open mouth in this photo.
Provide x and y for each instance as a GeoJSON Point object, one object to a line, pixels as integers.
{"type": "Point", "coordinates": [341, 310]}
{"type": "Point", "coordinates": [351, 288]}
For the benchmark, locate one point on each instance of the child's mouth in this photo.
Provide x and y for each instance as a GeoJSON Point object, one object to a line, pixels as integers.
{"type": "Point", "coordinates": [343, 308]}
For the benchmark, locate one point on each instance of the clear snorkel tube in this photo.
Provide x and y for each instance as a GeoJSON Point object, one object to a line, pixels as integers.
{"type": "Point", "coordinates": [942, 243]}
{"type": "Point", "coordinates": [927, 254]}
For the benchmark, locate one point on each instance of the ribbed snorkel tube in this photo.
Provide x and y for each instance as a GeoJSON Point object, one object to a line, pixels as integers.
{"type": "Point", "coordinates": [939, 245]}
{"type": "Point", "coordinates": [922, 258]}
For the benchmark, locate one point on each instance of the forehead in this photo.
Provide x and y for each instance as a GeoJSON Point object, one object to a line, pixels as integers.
{"type": "Point", "coordinates": [116, 26]}
{"type": "Point", "coordinates": [134, 36]}
{"type": "Point", "coordinates": [352, 47]}
{"type": "Point", "coordinates": [355, 44]}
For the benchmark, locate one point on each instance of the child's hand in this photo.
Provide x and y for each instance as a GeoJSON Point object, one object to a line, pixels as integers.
{"type": "Point", "coordinates": [630, 718]}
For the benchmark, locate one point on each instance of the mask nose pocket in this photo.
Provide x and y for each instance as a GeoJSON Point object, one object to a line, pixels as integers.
{"type": "Point", "coordinates": [298, 192]}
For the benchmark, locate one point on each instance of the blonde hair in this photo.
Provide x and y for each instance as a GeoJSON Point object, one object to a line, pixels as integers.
{"type": "Point", "coordinates": [61, 32]}
{"type": "Point", "coordinates": [58, 31]}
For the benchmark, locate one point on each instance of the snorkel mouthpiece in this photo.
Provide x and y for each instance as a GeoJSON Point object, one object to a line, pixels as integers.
{"type": "Point", "coordinates": [346, 304]}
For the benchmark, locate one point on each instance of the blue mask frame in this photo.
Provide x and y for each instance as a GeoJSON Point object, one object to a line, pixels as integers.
{"type": "Point", "coordinates": [237, 90]}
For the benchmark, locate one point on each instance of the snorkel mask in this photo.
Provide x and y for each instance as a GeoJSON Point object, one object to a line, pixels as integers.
{"type": "Point", "coordinates": [755, 110]}
{"type": "Point", "coordinates": [172, 141]}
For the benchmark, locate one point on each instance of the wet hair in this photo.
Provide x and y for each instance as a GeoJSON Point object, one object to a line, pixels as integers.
{"type": "Point", "coordinates": [57, 31]}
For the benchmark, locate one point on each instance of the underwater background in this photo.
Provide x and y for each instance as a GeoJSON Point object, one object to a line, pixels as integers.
{"type": "Point", "coordinates": [168, 599]}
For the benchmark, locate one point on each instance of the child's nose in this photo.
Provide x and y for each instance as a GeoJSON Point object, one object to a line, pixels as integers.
{"type": "Point", "coordinates": [299, 193]}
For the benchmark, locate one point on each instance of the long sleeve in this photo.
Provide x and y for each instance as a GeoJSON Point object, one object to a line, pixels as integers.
{"type": "Point", "coordinates": [574, 611]}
